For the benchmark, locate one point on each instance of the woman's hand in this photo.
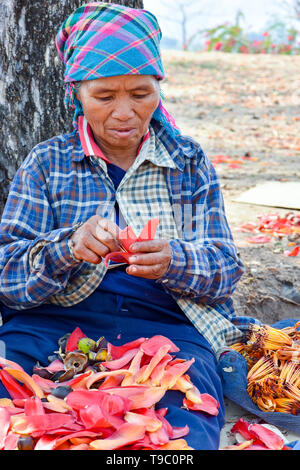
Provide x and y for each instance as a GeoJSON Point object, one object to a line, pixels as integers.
{"type": "Point", "coordinates": [98, 236]}
{"type": "Point", "coordinates": [151, 259]}
{"type": "Point", "coordinates": [93, 240]}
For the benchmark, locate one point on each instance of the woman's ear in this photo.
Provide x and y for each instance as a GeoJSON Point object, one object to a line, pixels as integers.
{"type": "Point", "coordinates": [77, 86]}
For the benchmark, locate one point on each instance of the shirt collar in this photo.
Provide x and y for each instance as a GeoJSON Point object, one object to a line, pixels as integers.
{"type": "Point", "coordinates": [171, 151]}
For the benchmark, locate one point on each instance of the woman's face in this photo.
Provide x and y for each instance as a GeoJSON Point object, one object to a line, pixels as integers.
{"type": "Point", "coordinates": [119, 109]}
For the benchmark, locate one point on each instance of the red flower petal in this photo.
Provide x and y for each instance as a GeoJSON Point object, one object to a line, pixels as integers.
{"type": "Point", "coordinates": [116, 257]}
{"type": "Point", "coordinates": [50, 442]}
{"type": "Point", "coordinates": [166, 425]}
{"type": "Point", "coordinates": [114, 404]}
{"type": "Point", "coordinates": [259, 239]}
{"type": "Point", "coordinates": [148, 232]}
{"type": "Point", "coordinates": [209, 404]}
{"type": "Point", "coordinates": [268, 437]}
{"type": "Point", "coordinates": [152, 345]}
{"type": "Point", "coordinates": [92, 417]}
{"type": "Point", "coordinates": [242, 427]}
{"type": "Point", "coordinates": [73, 339]}
{"type": "Point", "coordinates": [127, 434]}
{"type": "Point", "coordinates": [41, 423]}
{"type": "Point", "coordinates": [159, 370]}
{"type": "Point", "coordinates": [144, 444]}
{"type": "Point", "coordinates": [258, 447]}
{"type": "Point", "coordinates": [55, 366]}
{"type": "Point", "coordinates": [110, 403]}
{"type": "Point", "coordinates": [11, 364]}
{"type": "Point", "coordinates": [4, 425]}
{"type": "Point", "coordinates": [118, 351]}
{"type": "Point", "coordinates": [155, 360]}
{"type": "Point", "coordinates": [147, 398]}
{"type": "Point", "coordinates": [178, 444]}
{"type": "Point", "coordinates": [159, 437]}
{"type": "Point", "coordinates": [134, 369]}
{"type": "Point", "coordinates": [127, 238]}
{"type": "Point", "coordinates": [11, 441]}
{"type": "Point", "coordinates": [100, 375]}
{"type": "Point", "coordinates": [45, 384]}
{"type": "Point", "coordinates": [162, 411]}
{"type": "Point", "coordinates": [83, 433]}
{"type": "Point", "coordinates": [174, 372]}
{"type": "Point", "coordinates": [33, 406]}
{"type": "Point", "coordinates": [178, 432]}
{"type": "Point", "coordinates": [113, 381]}
{"type": "Point", "coordinates": [12, 386]}
{"type": "Point", "coordinates": [294, 252]}
{"type": "Point", "coordinates": [56, 404]}
{"type": "Point", "coordinates": [151, 423]}
{"type": "Point", "coordinates": [27, 380]}
{"type": "Point", "coordinates": [139, 396]}
{"type": "Point", "coordinates": [122, 361]}
{"type": "Point", "coordinates": [79, 381]}
{"type": "Point", "coordinates": [82, 398]}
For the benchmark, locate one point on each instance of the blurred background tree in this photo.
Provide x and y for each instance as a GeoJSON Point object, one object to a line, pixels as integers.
{"type": "Point", "coordinates": [279, 37]}
{"type": "Point", "coordinates": [31, 82]}
{"type": "Point", "coordinates": [184, 13]}
{"type": "Point", "coordinates": [290, 10]}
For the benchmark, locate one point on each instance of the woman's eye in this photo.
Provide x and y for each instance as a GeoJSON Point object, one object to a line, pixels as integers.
{"type": "Point", "coordinates": [104, 98]}
{"type": "Point", "coordinates": [139, 97]}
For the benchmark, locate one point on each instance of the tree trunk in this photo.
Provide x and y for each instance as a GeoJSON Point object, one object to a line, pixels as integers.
{"type": "Point", "coordinates": [31, 83]}
{"type": "Point", "coordinates": [128, 3]}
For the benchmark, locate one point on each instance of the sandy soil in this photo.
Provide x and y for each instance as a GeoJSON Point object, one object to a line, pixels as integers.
{"type": "Point", "coordinates": [245, 107]}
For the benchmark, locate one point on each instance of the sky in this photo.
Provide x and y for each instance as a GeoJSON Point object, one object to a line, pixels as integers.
{"type": "Point", "coordinates": [213, 12]}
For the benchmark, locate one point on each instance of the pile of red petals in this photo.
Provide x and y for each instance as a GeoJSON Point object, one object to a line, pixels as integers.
{"type": "Point", "coordinates": [256, 437]}
{"type": "Point", "coordinates": [231, 162]}
{"type": "Point", "coordinates": [114, 407]}
{"type": "Point", "coordinates": [275, 226]}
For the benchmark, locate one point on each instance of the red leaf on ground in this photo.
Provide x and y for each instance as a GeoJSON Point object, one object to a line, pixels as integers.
{"type": "Point", "coordinates": [259, 239]}
{"type": "Point", "coordinates": [294, 252]}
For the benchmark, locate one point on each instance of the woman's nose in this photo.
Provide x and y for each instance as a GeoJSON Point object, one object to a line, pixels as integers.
{"type": "Point", "coordinates": [123, 110]}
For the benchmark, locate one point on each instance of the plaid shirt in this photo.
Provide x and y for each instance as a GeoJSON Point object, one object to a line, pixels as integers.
{"type": "Point", "coordinates": [58, 185]}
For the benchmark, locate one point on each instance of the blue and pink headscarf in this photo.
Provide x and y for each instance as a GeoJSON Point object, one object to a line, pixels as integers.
{"type": "Point", "coordinates": [105, 40]}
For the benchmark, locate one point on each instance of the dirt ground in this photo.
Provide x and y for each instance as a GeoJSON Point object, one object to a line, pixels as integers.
{"type": "Point", "coordinates": [246, 107]}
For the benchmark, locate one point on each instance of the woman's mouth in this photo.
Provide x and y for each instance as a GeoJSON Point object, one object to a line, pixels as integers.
{"type": "Point", "coordinates": [123, 132]}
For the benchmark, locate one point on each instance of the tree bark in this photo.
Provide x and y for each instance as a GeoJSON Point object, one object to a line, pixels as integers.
{"type": "Point", "coordinates": [31, 82]}
{"type": "Point", "coordinates": [128, 3]}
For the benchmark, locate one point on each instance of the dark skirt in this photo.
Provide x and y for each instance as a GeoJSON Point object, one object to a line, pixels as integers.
{"type": "Point", "coordinates": [31, 335]}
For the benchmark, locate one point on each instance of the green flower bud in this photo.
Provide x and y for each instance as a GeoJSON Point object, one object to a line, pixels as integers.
{"type": "Point", "coordinates": [86, 344]}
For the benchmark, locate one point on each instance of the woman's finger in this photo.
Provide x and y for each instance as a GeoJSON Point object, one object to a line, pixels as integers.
{"type": "Point", "coordinates": [149, 272]}
{"type": "Point", "coordinates": [149, 259]}
{"type": "Point", "coordinates": [111, 227]}
{"type": "Point", "coordinates": [106, 238]}
{"type": "Point", "coordinates": [150, 246]}
{"type": "Point", "coordinates": [86, 244]}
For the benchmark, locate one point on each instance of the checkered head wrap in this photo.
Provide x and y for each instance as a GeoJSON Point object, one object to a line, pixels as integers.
{"type": "Point", "coordinates": [105, 40]}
